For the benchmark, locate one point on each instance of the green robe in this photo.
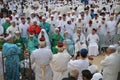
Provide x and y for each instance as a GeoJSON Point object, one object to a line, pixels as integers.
{"type": "Point", "coordinates": [5, 26]}
{"type": "Point", "coordinates": [19, 42]}
{"type": "Point", "coordinates": [54, 39]}
{"type": "Point", "coordinates": [45, 26]}
{"type": "Point", "coordinates": [32, 44]}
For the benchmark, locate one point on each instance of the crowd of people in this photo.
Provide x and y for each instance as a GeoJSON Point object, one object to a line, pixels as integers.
{"type": "Point", "coordinates": [57, 40]}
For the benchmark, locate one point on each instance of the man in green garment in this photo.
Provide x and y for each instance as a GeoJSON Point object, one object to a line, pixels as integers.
{"type": "Point", "coordinates": [54, 39]}
{"type": "Point", "coordinates": [6, 25]}
{"type": "Point", "coordinates": [19, 42]}
{"type": "Point", "coordinates": [32, 43]}
{"type": "Point", "coordinates": [45, 25]}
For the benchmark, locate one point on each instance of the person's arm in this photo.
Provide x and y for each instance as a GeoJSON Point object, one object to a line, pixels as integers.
{"type": "Point", "coordinates": [106, 62]}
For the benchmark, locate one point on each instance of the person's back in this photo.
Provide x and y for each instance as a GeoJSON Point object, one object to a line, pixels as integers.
{"type": "Point", "coordinates": [12, 64]}
{"type": "Point", "coordinates": [41, 58]}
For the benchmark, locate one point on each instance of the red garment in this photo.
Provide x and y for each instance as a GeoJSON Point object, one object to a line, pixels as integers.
{"type": "Point", "coordinates": [34, 30]}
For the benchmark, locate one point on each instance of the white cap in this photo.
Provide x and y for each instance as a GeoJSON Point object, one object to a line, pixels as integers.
{"type": "Point", "coordinates": [112, 47]}
{"type": "Point", "coordinates": [34, 20]}
{"type": "Point", "coordinates": [43, 17]}
{"type": "Point", "coordinates": [13, 21]}
{"type": "Point", "coordinates": [31, 35]}
{"type": "Point", "coordinates": [31, 12]}
{"type": "Point", "coordinates": [52, 15]}
{"type": "Point", "coordinates": [60, 15]}
{"type": "Point", "coordinates": [17, 16]}
{"type": "Point", "coordinates": [68, 12]}
{"type": "Point", "coordinates": [8, 37]}
{"type": "Point", "coordinates": [56, 28]}
{"type": "Point", "coordinates": [7, 18]}
{"type": "Point", "coordinates": [97, 76]}
{"type": "Point", "coordinates": [93, 69]}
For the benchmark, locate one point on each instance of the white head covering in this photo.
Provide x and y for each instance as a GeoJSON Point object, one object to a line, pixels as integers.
{"type": "Point", "coordinates": [7, 19]}
{"type": "Point", "coordinates": [56, 29]}
{"type": "Point", "coordinates": [46, 37]}
{"type": "Point", "coordinates": [17, 16]}
{"type": "Point", "coordinates": [31, 35]}
{"type": "Point", "coordinates": [93, 69]}
{"type": "Point", "coordinates": [43, 17]}
{"type": "Point", "coordinates": [97, 76]}
{"type": "Point", "coordinates": [112, 47]}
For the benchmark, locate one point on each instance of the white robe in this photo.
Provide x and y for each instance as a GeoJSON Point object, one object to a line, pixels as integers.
{"type": "Point", "coordinates": [93, 46]}
{"type": "Point", "coordinates": [102, 30]}
{"type": "Point", "coordinates": [111, 27]}
{"type": "Point", "coordinates": [11, 30]}
{"type": "Point", "coordinates": [1, 67]}
{"type": "Point", "coordinates": [78, 45]}
{"type": "Point", "coordinates": [1, 30]}
{"type": "Point", "coordinates": [59, 65]}
{"type": "Point", "coordinates": [24, 28]}
{"type": "Point", "coordinates": [111, 66]}
{"type": "Point", "coordinates": [118, 29]}
{"type": "Point", "coordinates": [41, 58]}
{"type": "Point", "coordinates": [80, 65]}
{"type": "Point", "coordinates": [70, 28]}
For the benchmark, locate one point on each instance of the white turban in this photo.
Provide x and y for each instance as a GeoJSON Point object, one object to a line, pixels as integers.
{"type": "Point", "coordinates": [93, 69]}
{"type": "Point", "coordinates": [97, 76]}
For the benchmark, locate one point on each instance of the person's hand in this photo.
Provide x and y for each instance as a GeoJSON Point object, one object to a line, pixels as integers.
{"type": "Point", "coordinates": [77, 40]}
{"type": "Point", "coordinates": [81, 43]}
{"type": "Point", "coordinates": [108, 32]}
{"type": "Point", "coordinates": [10, 31]}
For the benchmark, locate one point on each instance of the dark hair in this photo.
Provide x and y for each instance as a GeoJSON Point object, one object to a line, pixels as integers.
{"type": "Point", "coordinates": [87, 74]}
{"type": "Point", "coordinates": [84, 53]}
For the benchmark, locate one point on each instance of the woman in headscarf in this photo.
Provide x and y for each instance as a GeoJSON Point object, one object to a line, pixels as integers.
{"type": "Point", "coordinates": [44, 34]}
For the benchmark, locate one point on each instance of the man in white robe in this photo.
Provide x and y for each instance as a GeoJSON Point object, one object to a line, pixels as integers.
{"type": "Point", "coordinates": [80, 64]}
{"type": "Point", "coordinates": [23, 26]}
{"type": "Point", "coordinates": [69, 27]}
{"type": "Point", "coordinates": [79, 40]}
{"type": "Point", "coordinates": [111, 26]}
{"type": "Point", "coordinates": [92, 40]}
{"type": "Point", "coordinates": [59, 63]}
{"type": "Point", "coordinates": [52, 22]}
{"type": "Point", "coordinates": [41, 58]}
{"type": "Point", "coordinates": [111, 64]}
{"type": "Point", "coordinates": [102, 30]}
{"type": "Point", "coordinates": [11, 30]}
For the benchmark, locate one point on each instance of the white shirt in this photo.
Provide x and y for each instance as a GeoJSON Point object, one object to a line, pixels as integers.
{"type": "Point", "coordinates": [70, 28]}
{"type": "Point", "coordinates": [91, 38]}
{"type": "Point", "coordinates": [23, 28]}
{"type": "Point", "coordinates": [80, 65]}
{"type": "Point", "coordinates": [111, 27]}
{"type": "Point", "coordinates": [111, 66]}
{"type": "Point", "coordinates": [12, 30]}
